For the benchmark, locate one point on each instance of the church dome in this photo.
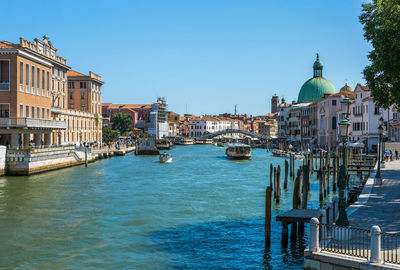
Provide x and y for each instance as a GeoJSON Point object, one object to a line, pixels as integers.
{"type": "Point", "coordinates": [346, 88]}
{"type": "Point", "coordinates": [315, 88]}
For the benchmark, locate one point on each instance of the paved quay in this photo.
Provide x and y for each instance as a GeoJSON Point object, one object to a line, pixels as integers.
{"type": "Point", "coordinates": [383, 205]}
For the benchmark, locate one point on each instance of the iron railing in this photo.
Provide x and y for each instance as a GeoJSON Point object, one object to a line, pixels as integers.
{"type": "Point", "coordinates": [390, 246]}
{"type": "Point", "coordinates": [345, 240]}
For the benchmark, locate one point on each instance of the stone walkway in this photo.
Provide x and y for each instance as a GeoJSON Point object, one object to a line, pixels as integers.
{"type": "Point", "coordinates": [383, 205]}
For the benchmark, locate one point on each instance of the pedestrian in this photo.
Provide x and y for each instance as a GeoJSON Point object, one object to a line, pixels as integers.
{"type": "Point", "coordinates": [396, 154]}
{"type": "Point", "coordinates": [391, 155]}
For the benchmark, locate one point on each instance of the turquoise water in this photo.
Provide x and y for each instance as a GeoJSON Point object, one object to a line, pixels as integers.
{"type": "Point", "coordinates": [200, 212]}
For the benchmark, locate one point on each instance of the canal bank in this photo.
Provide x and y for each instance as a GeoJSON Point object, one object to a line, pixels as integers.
{"type": "Point", "coordinates": [131, 212]}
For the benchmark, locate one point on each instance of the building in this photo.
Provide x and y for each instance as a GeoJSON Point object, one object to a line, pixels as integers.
{"type": "Point", "coordinates": [158, 125]}
{"type": "Point", "coordinates": [274, 104]}
{"type": "Point", "coordinates": [26, 70]}
{"type": "Point", "coordinates": [283, 119]}
{"type": "Point", "coordinates": [365, 116]}
{"type": "Point", "coordinates": [210, 124]}
{"type": "Point", "coordinates": [140, 113]}
{"type": "Point", "coordinates": [327, 119]}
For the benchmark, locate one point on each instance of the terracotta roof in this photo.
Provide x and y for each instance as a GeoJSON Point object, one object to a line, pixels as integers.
{"type": "Point", "coordinates": [75, 73]}
{"type": "Point", "coordinates": [129, 106]}
{"type": "Point", "coordinates": [348, 94]}
{"type": "Point", "coordinates": [363, 87]}
{"type": "Point", "coordinates": [106, 104]}
{"type": "Point", "coordinates": [5, 45]}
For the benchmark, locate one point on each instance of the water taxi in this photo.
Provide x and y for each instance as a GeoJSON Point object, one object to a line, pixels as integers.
{"type": "Point", "coordinates": [204, 141]}
{"type": "Point", "coordinates": [187, 141]}
{"type": "Point", "coordinates": [164, 144]}
{"type": "Point", "coordinates": [238, 151]}
{"type": "Point", "coordinates": [165, 158]}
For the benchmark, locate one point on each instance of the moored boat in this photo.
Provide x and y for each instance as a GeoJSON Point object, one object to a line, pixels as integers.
{"type": "Point", "coordinates": [238, 151]}
{"type": "Point", "coordinates": [163, 144]}
{"type": "Point", "coordinates": [187, 141]}
{"type": "Point", "coordinates": [279, 153]}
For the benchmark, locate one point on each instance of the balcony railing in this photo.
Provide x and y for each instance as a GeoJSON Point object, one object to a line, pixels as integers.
{"type": "Point", "coordinates": [31, 123]}
{"type": "Point", "coordinates": [4, 86]}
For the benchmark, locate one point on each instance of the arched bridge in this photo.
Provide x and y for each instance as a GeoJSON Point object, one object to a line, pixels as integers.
{"type": "Point", "coordinates": [237, 131]}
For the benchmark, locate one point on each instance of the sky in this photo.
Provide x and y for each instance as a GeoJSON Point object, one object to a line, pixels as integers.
{"type": "Point", "coordinates": [203, 56]}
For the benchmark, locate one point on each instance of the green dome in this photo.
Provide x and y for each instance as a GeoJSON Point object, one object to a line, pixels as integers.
{"type": "Point", "coordinates": [314, 89]}
{"type": "Point", "coordinates": [346, 88]}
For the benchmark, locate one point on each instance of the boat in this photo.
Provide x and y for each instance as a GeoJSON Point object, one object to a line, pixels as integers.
{"type": "Point", "coordinates": [187, 141]}
{"type": "Point", "coordinates": [146, 146]}
{"type": "Point", "coordinates": [238, 151]}
{"type": "Point", "coordinates": [219, 144]}
{"type": "Point", "coordinates": [163, 144]}
{"type": "Point", "coordinates": [204, 141]}
{"type": "Point", "coordinates": [279, 153]}
{"type": "Point", "coordinates": [296, 155]}
{"type": "Point", "coordinates": [165, 158]}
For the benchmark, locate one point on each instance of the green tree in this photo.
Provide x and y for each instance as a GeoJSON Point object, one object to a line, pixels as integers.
{"type": "Point", "coordinates": [121, 122]}
{"type": "Point", "coordinates": [109, 135]}
{"type": "Point", "coordinates": [381, 21]}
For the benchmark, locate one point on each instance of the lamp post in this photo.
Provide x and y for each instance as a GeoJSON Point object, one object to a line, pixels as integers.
{"type": "Point", "coordinates": [382, 134]}
{"type": "Point", "coordinates": [378, 173]}
{"type": "Point", "coordinates": [344, 129]}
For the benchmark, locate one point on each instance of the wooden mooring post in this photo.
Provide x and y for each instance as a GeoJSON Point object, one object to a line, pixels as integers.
{"type": "Point", "coordinates": [286, 175]}
{"type": "Point", "coordinates": [278, 184]}
{"type": "Point", "coordinates": [268, 192]}
{"type": "Point", "coordinates": [271, 172]}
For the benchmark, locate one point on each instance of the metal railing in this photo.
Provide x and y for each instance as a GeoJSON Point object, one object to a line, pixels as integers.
{"type": "Point", "coordinates": [345, 240]}
{"type": "Point", "coordinates": [32, 123]}
{"type": "Point", "coordinates": [390, 246]}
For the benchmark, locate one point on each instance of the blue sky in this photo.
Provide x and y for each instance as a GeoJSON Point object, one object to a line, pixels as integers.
{"type": "Point", "coordinates": [204, 56]}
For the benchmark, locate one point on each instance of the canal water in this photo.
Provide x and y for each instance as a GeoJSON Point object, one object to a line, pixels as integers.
{"type": "Point", "coordinates": [200, 212]}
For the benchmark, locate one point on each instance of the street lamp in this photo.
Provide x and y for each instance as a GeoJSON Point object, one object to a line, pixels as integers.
{"type": "Point", "coordinates": [381, 122]}
{"type": "Point", "coordinates": [378, 173]}
{"type": "Point", "coordinates": [344, 130]}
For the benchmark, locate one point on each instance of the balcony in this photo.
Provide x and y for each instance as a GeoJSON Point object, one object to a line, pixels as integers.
{"type": "Point", "coordinates": [56, 109]}
{"type": "Point", "coordinates": [31, 123]}
{"type": "Point", "coordinates": [4, 86]}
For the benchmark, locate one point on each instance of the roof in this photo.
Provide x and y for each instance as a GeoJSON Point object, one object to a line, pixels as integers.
{"type": "Point", "coordinates": [348, 94]}
{"type": "Point", "coordinates": [74, 73]}
{"type": "Point", "coordinates": [314, 89]}
{"type": "Point", "coordinates": [363, 87]}
{"type": "Point", "coordinates": [128, 106]}
{"type": "Point", "coordinates": [6, 45]}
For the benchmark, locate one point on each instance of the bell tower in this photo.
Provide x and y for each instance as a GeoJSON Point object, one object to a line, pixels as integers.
{"type": "Point", "coordinates": [274, 103]}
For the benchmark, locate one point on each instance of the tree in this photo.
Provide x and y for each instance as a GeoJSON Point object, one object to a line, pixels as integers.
{"type": "Point", "coordinates": [109, 135]}
{"type": "Point", "coordinates": [381, 21]}
{"type": "Point", "coordinates": [121, 122]}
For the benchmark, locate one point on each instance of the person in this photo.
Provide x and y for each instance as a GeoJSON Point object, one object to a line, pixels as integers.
{"type": "Point", "coordinates": [391, 155]}
{"type": "Point", "coordinates": [396, 154]}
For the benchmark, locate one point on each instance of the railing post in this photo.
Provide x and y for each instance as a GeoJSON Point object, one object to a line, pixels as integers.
{"type": "Point", "coordinates": [376, 256]}
{"type": "Point", "coordinates": [314, 235]}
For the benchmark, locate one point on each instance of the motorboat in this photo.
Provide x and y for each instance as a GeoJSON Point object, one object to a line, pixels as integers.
{"type": "Point", "coordinates": [219, 144]}
{"type": "Point", "coordinates": [279, 153]}
{"type": "Point", "coordinates": [165, 158]}
{"type": "Point", "coordinates": [296, 155]}
{"type": "Point", "coordinates": [238, 151]}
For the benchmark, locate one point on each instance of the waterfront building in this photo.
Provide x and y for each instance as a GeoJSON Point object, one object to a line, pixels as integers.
{"type": "Point", "coordinates": [365, 116]}
{"type": "Point", "coordinates": [327, 119]}
{"type": "Point", "coordinates": [158, 125]}
{"type": "Point", "coordinates": [25, 100]}
{"type": "Point", "coordinates": [268, 128]}
{"type": "Point", "coordinates": [210, 124]}
{"type": "Point", "coordinates": [283, 118]}
{"type": "Point", "coordinates": [305, 123]}
{"type": "Point", "coordinates": [274, 104]}
{"type": "Point", "coordinates": [294, 122]}
{"type": "Point", "coordinates": [140, 113]}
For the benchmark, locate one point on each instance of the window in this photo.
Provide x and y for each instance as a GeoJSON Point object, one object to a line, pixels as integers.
{"type": "Point", "coordinates": [70, 85]}
{"type": "Point", "coordinates": [27, 78]}
{"type": "Point", "coordinates": [376, 111]}
{"type": "Point", "coordinates": [38, 81]}
{"type": "Point", "coordinates": [4, 110]}
{"type": "Point", "coordinates": [33, 80]}
{"type": "Point", "coordinates": [47, 114]}
{"type": "Point", "coordinates": [52, 84]}
{"type": "Point", "coordinates": [82, 84]}
{"type": "Point", "coordinates": [21, 76]}
{"type": "Point", "coordinates": [70, 95]}
{"type": "Point", "coordinates": [21, 110]}
{"type": "Point", "coordinates": [82, 95]}
{"type": "Point", "coordinates": [5, 75]}
{"type": "Point", "coordinates": [27, 111]}
{"type": "Point", "coordinates": [42, 82]}
{"type": "Point", "coordinates": [334, 102]}
{"type": "Point", "coordinates": [43, 113]}
{"type": "Point", "coordinates": [63, 102]}
{"type": "Point", "coordinates": [48, 83]}
{"type": "Point", "coordinates": [33, 112]}
{"type": "Point", "coordinates": [38, 112]}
